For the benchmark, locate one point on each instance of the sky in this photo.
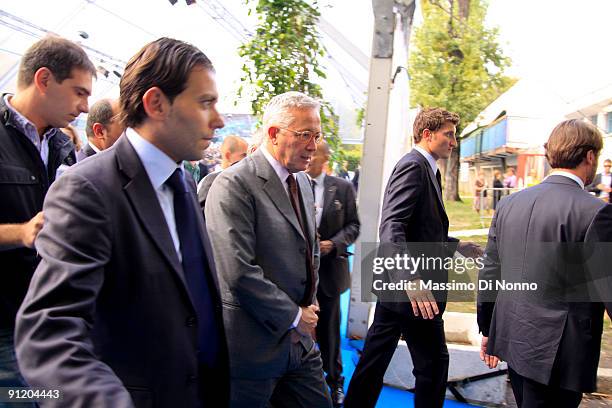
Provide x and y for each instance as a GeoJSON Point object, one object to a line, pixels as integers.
{"type": "Point", "coordinates": [560, 43]}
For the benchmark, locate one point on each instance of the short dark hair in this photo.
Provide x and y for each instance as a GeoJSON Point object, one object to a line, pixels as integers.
{"type": "Point", "coordinates": [165, 63]}
{"type": "Point", "coordinates": [99, 112]}
{"type": "Point", "coordinates": [58, 54]}
{"type": "Point", "coordinates": [570, 142]}
{"type": "Point", "coordinates": [432, 119]}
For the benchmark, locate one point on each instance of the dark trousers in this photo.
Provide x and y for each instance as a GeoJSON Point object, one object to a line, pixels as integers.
{"type": "Point", "coordinates": [427, 346]}
{"type": "Point", "coordinates": [531, 394]}
{"type": "Point", "coordinates": [302, 386]}
{"type": "Point", "coordinates": [328, 337]}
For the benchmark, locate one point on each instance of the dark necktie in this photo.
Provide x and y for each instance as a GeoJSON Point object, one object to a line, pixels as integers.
{"type": "Point", "coordinates": [439, 179]}
{"type": "Point", "coordinates": [195, 268]}
{"type": "Point", "coordinates": [310, 278]}
{"type": "Point", "coordinates": [313, 184]}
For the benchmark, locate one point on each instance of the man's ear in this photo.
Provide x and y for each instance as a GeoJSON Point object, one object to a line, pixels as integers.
{"type": "Point", "coordinates": [155, 103]}
{"type": "Point", "coordinates": [98, 130]}
{"type": "Point", "coordinates": [42, 77]}
{"type": "Point", "coordinates": [273, 134]}
{"type": "Point", "coordinates": [427, 135]}
{"type": "Point", "coordinates": [591, 158]}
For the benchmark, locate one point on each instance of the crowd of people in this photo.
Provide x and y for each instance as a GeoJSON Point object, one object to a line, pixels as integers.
{"type": "Point", "coordinates": [126, 284]}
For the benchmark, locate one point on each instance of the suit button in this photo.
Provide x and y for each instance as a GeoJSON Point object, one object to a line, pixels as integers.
{"type": "Point", "coordinates": [302, 250]}
{"type": "Point", "coordinates": [304, 281]}
{"type": "Point", "coordinates": [191, 321]}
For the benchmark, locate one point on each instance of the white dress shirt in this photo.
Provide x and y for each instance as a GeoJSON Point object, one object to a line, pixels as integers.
{"type": "Point", "coordinates": [569, 176]}
{"type": "Point", "coordinates": [159, 167]}
{"type": "Point", "coordinates": [432, 162]}
{"type": "Point", "coordinates": [319, 196]}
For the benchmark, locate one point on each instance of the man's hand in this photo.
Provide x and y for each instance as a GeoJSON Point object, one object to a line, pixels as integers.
{"type": "Point", "coordinates": [469, 249]}
{"type": "Point", "coordinates": [603, 187]}
{"type": "Point", "coordinates": [308, 321]}
{"type": "Point", "coordinates": [490, 361]}
{"type": "Point", "coordinates": [422, 300]}
{"type": "Point", "coordinates": [31, 230]}
{"type": "Point", "coordinates": [326, 247]}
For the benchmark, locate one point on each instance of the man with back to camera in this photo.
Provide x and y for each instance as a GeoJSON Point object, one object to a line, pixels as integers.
{"type": "Point", "coordinates": [233, 149]}
{"type": "Point", "coordinates": [261, 220]}
{"type": "Point", "coordinates": [550, 342]}
{"type": "Point", "coordinates": [103, 127]}
{"type": "Point", "coordinates": [54, 82]}
{"type": "Point", "coordinates": [413, 213]}
{"type": "Point", "coordinates": [124, 308]}
{"type": "Point", "coordinates": [338, 227]}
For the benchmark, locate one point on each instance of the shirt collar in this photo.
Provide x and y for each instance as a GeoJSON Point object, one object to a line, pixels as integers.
{"type": "Point", "coordinates": [279, 169]}
{"type": "Point", "coordinates": [319, 179]}
{"type": "Point", "coordinates": [23, 124]}
{"type": "Point", "coordinates": [568, 175]}
{"type": "Point", "coordinates": [158, 165]}
{"type": "Point", "coordinates": [94, 147]}
{"type": "Point", "coordinates": [429, 157]}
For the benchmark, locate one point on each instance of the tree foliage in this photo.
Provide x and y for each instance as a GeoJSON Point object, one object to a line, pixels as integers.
{"type": "Point", "coordinates": [456, 63]}
{"type": "Point", "coordinates": [283, 55]}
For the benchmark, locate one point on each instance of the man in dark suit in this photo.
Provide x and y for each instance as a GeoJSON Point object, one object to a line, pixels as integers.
{"type": "Point", "coordinates": [602, 183]}
{"type": "Point", "coordinates": [124, 307]}
{"type": "Point", "coordinates": [338, 227]}
{"type": "Point", "coordinates": [261, 220]}
{"type": "Point", "coordinates": [413, 212]}
{"type": "Point", "coordinates": [550, 336]}
{"type": "Point", "coordinates": [103, 127]}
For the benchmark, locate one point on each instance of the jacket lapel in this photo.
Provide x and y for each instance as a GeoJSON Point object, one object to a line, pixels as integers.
{"type": "Point", "coordinates": [328, 197]}
{"type": "Point", "coordinates": [275, 190]}
{"type": "Point", "coordinates": [145, 204]}
{"type": "Point", "coordinates": [432, 177]}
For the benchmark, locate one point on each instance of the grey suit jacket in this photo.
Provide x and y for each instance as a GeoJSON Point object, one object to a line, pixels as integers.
{"type": "Point", "coordinates": [108, 318]}
{"type": "Point", "coordinates": [551, 335]}
{"type": "Point", "coordinates": [260, 253]}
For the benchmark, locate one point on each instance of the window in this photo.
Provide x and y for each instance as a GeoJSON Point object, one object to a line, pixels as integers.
{"type": "Point", "coordinates": [609, 117]}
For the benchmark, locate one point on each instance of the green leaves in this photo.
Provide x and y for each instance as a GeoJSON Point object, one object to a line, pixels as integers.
{"type": "Point", "coordinates": [456, 63]}
{"type": "Point", "coordinates": [284, 56]}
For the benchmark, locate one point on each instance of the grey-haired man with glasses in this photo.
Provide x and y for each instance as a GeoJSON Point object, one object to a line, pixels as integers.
{"type": "Point", "coordinates": [261, 217]}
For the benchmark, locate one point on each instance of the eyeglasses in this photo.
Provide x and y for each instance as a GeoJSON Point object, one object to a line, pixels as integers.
{"type": "Point", "coordinates": [305, 136]}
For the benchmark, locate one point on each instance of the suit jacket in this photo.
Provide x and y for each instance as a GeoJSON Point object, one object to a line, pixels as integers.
{"type": "Point", "coordinates": [593, 186]}
{"type": "Point", "coordinates": [260, 252]}
{"type": "Point", "coordinates": [542, 335]}
{"type": "Point", "coordinates": [413, 213]}
{"type": "Point", "coordinates": [204, 187]}
{"type": "Point", "coordinates": [85, 152]}
{"type": "Point", "coordinates": [339, 224]}
{"type": "Point", "coordinates": [108, 319]}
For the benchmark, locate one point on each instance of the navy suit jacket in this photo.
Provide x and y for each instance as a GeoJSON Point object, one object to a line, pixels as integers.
{"type": "Point", "coordinates": [413, 213]}
{"type": "Point", "coordinates": [339, 224]}
{"type": "Point", "coordinates": [551, 335]}
{"type": "Point", "coordinates": [108, 318]}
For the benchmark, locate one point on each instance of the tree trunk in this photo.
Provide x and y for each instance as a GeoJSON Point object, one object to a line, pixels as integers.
{"type": "Point", "coordinates": [451, 189]}
{"type": "Point", "coordinates": [464, 8]}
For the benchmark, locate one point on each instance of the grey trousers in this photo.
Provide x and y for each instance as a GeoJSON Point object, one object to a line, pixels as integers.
{"type": "Point", "coordinates": [302, 385]}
